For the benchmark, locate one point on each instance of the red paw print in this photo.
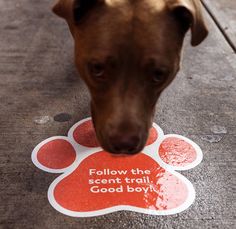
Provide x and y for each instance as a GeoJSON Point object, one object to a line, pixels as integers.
{"type": "Point", "coordinates": [94, 182]}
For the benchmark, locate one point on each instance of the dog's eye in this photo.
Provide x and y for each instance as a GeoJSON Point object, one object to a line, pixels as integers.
{"type": "Point", "coordinates": [158, 75]}
{"type": "Point", "coordinates": [97, 69]}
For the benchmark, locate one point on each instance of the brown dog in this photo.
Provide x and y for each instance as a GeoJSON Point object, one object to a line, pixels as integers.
{"type": "Point", "coordinates": [128, 52]}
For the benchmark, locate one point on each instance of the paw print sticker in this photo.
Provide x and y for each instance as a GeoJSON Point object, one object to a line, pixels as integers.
{"type": "Point", "coordinates": [94, 182]}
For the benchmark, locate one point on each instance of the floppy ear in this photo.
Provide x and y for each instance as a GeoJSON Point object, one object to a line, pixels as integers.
{"type": "Point", "coordinates": [74, 9]}
{"type": "Point", "coordinates": [190, 14]}
{"type": "Point", "coordinates": [82, 7]}
{"type": "Point", "coordinates": [63, 8]}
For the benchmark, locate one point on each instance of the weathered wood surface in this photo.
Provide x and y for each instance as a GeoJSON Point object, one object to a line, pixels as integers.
{"type": "Point", "coordinates": [224, 12]}
{"type": "Point", "coordinates": [38, 78]}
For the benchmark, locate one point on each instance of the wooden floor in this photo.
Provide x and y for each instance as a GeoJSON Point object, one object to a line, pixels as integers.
{"type": "Point", "coordinates": [223, 13]}
{"type": "Point", "coordinates": [38, 82]}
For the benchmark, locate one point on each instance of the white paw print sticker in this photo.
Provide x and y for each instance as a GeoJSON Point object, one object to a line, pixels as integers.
{"type": "Point", "coordinates": [94, 182]}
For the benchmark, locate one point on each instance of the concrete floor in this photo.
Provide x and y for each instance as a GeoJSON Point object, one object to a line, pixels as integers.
{"type": "Point", "coordinates": [38, 79]}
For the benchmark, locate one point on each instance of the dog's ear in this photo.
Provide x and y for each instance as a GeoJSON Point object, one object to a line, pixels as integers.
{"type": "Point", "coordinates": [82, 7]}
{"type": "Point", "coordinates": [190, 15]}
{"type": "Point", "coordinates": [74, 9]}
{"type": "Point", "coordinates": [63, 8]}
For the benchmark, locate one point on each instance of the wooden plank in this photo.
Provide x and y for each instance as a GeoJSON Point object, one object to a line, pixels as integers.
{"type": "Point", "coordinates": [224, 12]}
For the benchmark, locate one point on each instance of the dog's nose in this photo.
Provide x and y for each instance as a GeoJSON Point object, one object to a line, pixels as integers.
{"type": "Point", "coordinates": [127, 144]}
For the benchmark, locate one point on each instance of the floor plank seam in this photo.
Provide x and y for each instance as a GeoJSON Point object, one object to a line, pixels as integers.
{"type": "Point", "coordinates": [227, 38]}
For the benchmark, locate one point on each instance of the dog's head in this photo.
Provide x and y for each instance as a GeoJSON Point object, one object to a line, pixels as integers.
{"type": "Point", "coordinates": [128, 52]}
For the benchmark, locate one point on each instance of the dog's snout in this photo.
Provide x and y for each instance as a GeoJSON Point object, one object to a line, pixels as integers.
{"type": "Point", "coordinates": [125, 143]}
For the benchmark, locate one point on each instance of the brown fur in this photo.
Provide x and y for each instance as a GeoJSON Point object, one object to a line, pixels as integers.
{"type": "Point", "coordinates": [133, 42]}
